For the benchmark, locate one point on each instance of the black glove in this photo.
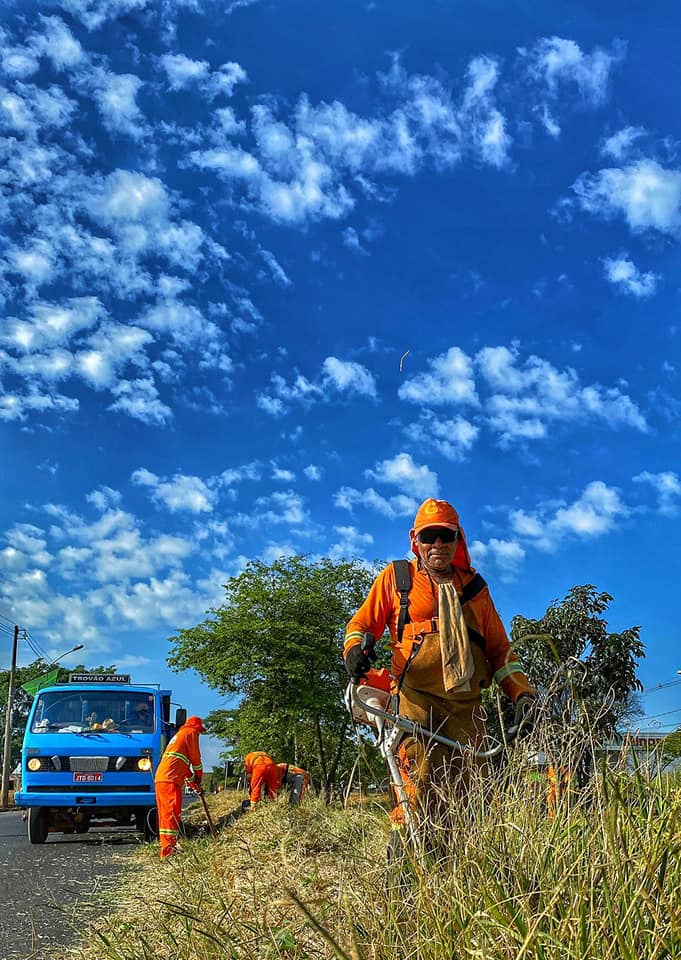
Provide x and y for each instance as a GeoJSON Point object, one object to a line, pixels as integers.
{"type": "Point", "coordinates": [526, 710]}
{"type": "Point", "coordinates": [359, 658]}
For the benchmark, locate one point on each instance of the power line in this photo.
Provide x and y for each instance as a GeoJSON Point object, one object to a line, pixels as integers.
{"type": "Point", "coordinates": [662, 686]}
{"type": "Point", "coordinates": [34, 645]}
{"type": "Point", "coordinates": [667, 713]}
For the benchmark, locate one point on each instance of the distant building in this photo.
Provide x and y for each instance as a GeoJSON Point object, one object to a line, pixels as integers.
{"type": "Point", "coordinates": [638, 749]}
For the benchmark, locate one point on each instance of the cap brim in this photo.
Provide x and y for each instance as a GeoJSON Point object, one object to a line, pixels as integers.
{"type": "Point", "coordinates": [427, 526]}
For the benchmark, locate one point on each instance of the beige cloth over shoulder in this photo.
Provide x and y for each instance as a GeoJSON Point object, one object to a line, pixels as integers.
{"type": "Point", "coordinates": [455, 646]}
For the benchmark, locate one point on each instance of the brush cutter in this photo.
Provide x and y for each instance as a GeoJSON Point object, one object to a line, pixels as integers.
{"type": "Point", "coordinates": [371, 703]}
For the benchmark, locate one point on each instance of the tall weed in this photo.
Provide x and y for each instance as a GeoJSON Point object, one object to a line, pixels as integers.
{"type": "Point", "coordinates": [496, 879]}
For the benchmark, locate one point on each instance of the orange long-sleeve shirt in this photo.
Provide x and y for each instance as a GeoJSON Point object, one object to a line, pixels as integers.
{"type": "Point", "coordinates": [181, 757]}
{"type": "Point", "coordinates": [382, 606]}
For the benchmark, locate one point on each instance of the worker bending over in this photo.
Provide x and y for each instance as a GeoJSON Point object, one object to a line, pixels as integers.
{"type": "Point", "coordinates": [262, 774]}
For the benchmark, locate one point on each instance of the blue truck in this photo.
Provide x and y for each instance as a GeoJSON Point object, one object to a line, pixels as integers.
{"type": "Point", "coordinates": [89, 754]}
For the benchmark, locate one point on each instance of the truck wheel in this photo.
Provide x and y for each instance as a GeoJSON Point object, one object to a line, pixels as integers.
{"type": "Point", "coordinates": [38, 824]}
{"type": "Point", "coordinates": [150, 826]}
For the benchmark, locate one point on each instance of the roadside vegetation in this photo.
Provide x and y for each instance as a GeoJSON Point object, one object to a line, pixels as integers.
{"type": "Point", "coordinates": [598, 881]}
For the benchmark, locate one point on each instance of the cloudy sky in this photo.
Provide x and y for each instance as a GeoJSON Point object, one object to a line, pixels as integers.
{"type": "Point", "coordinates": [272, 273]}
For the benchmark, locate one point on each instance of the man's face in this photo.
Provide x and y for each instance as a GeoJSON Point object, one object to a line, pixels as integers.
{"type": "Point", "coordinates": [436, 547]}
{"type": "Point", "coordinates": [142, 708]}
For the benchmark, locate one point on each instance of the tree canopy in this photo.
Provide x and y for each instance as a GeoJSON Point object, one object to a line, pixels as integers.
{"type": "Point", "coordinates": [276, 643]}
{"type": "Point", "coordinates": [596, 668]}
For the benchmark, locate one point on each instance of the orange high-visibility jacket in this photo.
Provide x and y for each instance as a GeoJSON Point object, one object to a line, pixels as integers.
{"type": "Point", "coordinates": [250, 759]}
{"type": "Point", "coordinates": [382, 606]}
{"type": "Point", "coordinates": [181, 756]}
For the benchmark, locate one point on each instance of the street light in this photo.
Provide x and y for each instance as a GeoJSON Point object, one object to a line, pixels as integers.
{"type": "Point", "coordinates": [9, 710]}
{"type": "Point", "coordinates": [78, 646]}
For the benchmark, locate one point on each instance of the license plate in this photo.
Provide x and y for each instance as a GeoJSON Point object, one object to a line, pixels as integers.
{"type": "Point", "coordinates": [87, 778]}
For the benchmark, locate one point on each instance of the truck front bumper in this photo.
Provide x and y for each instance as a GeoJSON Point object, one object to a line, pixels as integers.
{"type": "Point", "coordinates": [86, 798]}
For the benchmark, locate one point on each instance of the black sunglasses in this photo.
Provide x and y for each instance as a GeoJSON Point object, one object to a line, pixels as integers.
{"type": "Point", "coordinates": [431, 534]}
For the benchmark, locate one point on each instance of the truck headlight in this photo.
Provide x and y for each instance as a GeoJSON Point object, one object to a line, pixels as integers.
{"type": "Point", "coordinates": [34, 764]}
{"type": "Point", "coordinates": [144, 763]}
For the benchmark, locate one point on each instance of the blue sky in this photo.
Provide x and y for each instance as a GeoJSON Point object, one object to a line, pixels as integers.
{"type": "Point", "coordinates": [271, 274]}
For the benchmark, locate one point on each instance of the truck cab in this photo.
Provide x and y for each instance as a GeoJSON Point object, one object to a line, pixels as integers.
{"type": "Point", "coordinates": [90, 751]}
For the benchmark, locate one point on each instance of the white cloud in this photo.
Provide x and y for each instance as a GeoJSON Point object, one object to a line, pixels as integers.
{"type": "Point", "coordinates": [667, 486]}
{"type": "Point", "coordinates": [180, 493]}
{"type": "Point", "coordinates": [108, 351]}
{"type": "Point", "coordinates": [593, 514]}
{"type": "Point", "coordinates": [52, 324]}
{"type": "Point", "coordinates": [399, 505]}
{"type": "Point", "coordinates": [280, 507]}
{"type": "Point", "coordinates": [619, 145]}
{"type": "Point", "coordinates": [286, 476]}
{"type": "Point", "coordinates": [93, 13]}
{"type": "Point", "coordinates": [126, 197]}
{"type": "Point", "coordinates": [337, 376]}
{"type": "Point", "coordinates": [312, 472]}
{"type": "Point", "coordinates": [182, 71]}
{"type": "Point", "coordinates": [94, 574]}
{"type": "Point", "coordinates": [454, 439]}
{"type": "Point", "coordinates": [15, 406]}
{"type": "Point", "coordinates": [645, 193]}
{"type": "Point", "coordinates": [115, 95]}
{"type": "Point", "coordinates": [139, 399]}
{"type": "Point", "coordinates": [401, 471]}
{"type": "Point", "coordinates": [59, 44]}
{"type": "Point", "coordinates": [276, 551]}
{"type": "Point", "coordinates": [348, 377]}
{"type": "Point", "coordinates": [450, 381]}
{"type": "Point", "coordinates": [506, 555]}
{"type": "Point", "coordinates": [527, 397]}
{"type": "Point", "coordinates": [312, 165]}
{"type": "Point", "coordinates": [352, 241]}
{"type": "Point", "coordinates": [351, 542]}
{"type": "Point", "coordinates": [561, 62]}
{"type": "Point", "coordinates": [624, 275]}
{"type": "Point", "coordinates": [276, 269]}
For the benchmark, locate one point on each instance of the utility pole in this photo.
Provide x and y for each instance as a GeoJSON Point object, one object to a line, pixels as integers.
{"type": "Point", "coordinates": [9, 710]}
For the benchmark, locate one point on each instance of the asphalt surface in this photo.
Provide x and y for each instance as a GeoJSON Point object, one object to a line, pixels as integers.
{"type": "Point", "coordinates": [49, 893]}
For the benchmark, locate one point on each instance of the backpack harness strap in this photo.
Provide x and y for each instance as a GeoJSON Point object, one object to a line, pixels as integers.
{"type": "Point", "coordinates": [402, 571]}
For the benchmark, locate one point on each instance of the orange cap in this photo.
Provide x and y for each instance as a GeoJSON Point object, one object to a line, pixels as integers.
{"type": "Point", "coordinates": [436, 513]}
{"type": "Point", "coordinates": [196, 723]}
{"type": "Point", "coordinates": [440, 513]}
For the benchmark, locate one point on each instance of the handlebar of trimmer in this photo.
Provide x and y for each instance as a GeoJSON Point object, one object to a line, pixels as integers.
{"type": "Point", "coordinates": [416, 730]}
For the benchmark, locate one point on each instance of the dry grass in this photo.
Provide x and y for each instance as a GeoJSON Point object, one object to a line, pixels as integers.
{"type": "Point", "coordinates": [599, 882]}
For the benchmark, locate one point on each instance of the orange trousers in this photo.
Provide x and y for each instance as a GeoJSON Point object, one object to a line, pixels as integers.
{"type": "Point", "coordinates": [169, 805]}
{"type": "Point", "coordinates": [265, 775]}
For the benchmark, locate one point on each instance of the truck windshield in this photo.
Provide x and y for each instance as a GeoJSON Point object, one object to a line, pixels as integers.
{"type": "Point", "coordinates": [75, 711]}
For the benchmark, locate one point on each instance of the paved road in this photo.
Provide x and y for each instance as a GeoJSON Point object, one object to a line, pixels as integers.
{"type": "Point", "coordinates": [41, 885]}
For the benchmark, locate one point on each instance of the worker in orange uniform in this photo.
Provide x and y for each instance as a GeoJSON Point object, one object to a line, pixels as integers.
{"type": "Point", "coordinates": [180, 764]}
{"type": "Point", "coordinates": [263, 774]}
{"type": "Point", "coordinates": [295, 779]}
{"type": "Point", "coordinates": [558, 788]}
{"type": "Point", "coordinates": [448, 642]}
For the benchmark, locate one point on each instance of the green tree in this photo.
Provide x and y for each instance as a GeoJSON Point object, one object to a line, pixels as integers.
{"type": "Point", "coordinates": [578, 664]}
{"type": "Point", "coordinates": [276, 644]}
{"type": "Point", "coordinates": [670, 747]}
{"type": "Point", "coordinates": [23, 700]}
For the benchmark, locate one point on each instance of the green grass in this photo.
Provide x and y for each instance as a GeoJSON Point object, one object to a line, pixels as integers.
{"type": "Point", "coordinates": [499, 881]}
